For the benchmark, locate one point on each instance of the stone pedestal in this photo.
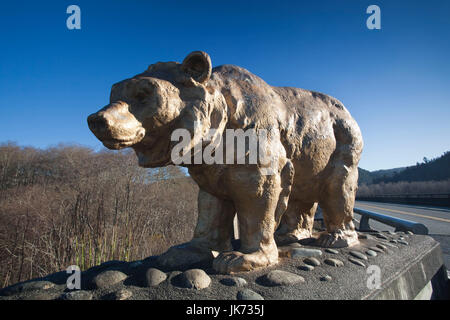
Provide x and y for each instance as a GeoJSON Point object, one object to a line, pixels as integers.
{"type": "Point", "coordinates": [382, 266]}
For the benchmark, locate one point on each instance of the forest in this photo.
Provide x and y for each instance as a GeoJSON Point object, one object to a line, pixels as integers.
{"type": "Point", "coordinates": [429, 176]}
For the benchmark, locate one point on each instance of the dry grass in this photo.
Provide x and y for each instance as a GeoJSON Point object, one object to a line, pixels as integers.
{"type": "Point", "coordinates": [69, 205]}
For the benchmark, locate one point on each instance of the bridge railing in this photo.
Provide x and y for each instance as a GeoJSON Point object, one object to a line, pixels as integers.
{"type": "Point", "coordinates": [398, 224]}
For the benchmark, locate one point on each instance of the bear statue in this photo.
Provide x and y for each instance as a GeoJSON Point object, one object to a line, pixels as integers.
{"type": "Point", "coordinates": [314, 143]}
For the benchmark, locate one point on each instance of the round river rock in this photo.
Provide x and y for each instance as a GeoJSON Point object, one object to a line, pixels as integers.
{"type": "Point", "coordinates": [122, 294]}
{"type": "Point", "coordinates": [356, 261]}
{"type": "Point", "coordinates": [376, 249]}
{"type": "Point", "coordinates": [371, 253]}
{"type": "Point", "coordinates": [305, 252]}
{"type": "Point", "coordinates": [312, 261]}
{"type": "Point", "coordinates": [234, 282]}
{"type": "Point", "coordinates": [194, 279]}
{"type": "Point", "coordinates": [381, 236]}
{"type": "Point", "coordinates": [154, 277]}
{"type": "Point", "coordinates": [77, 295]}
{"type": "Point", "coordinates": [306, 267]}
{"type": "Point", "coordinates": [108, 278]}
{"type": "Point", "coordinates": [281, 278]}
{"type": "Point", "coordinates": [358, 255]}
{"type": "Point", "coordinates": [325, 278]}
{"type": "Point", "coordinates": [248, 294]}
{"type": "Point", "coordinates": [334, 262]}
{"type": "Point", "coordinates": [27, 286]}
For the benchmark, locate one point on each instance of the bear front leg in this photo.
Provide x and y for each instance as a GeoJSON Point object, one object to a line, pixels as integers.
{"type": "Point", "coordinates": [255, 198]}
{"type": "Point", "coordinates": [213, 232]}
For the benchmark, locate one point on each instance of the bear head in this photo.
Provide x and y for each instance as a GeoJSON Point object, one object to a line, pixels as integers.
{"type": "Point", "coordinates": [145, 109]}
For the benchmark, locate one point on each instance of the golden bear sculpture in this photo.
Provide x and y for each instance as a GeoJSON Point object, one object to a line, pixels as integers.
{"type": "Point", "coordinates": [313, 143]}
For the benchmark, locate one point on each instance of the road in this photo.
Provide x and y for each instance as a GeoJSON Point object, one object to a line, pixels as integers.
{"type": "Point", "coordinates": [436, 219]}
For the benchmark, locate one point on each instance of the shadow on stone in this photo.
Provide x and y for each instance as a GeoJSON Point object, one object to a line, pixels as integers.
{"type": "Point", "coordinates": [307, 241]}
{"type": "Point", "coordinates": [184, 257]}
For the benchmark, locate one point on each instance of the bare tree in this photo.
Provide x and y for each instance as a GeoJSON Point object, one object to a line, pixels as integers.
{"type": "Point", "coordinates": [70, 205]}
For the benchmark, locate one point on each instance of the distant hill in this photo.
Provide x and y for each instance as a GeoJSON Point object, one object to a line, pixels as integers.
{"type": "Point", "coordinates": [437, 169]}
{"type": "Point", "coordinates": [386, 173]}
{"type": "Point", "coordinates": [364, 176]}
{"type": "Point", "coordinates": [369, 177]}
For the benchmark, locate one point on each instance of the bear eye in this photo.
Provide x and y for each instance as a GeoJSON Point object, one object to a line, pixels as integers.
{"type": "Point", "coordinates": [142, 94]}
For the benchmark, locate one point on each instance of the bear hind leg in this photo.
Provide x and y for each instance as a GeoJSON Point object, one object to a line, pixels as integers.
{"type": "Point", "coordinates": [337, 202]}
{"type": "Point", "coordinates": [296, 223]}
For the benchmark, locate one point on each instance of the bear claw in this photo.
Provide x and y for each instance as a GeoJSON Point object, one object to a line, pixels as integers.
{"type": "Point", "coordinates": [235, 261]}
{"type": "Point", "coordinates": [337, 239]}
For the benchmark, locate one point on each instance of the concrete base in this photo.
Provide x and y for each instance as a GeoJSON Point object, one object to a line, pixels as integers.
{"type": "Point", "coordinates": [410, 266]}
{"type": "Point", "coordinates": [423, 277]}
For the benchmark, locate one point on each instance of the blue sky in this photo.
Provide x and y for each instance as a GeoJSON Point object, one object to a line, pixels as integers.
{"type": "Point", "coordinates": [395, 81]}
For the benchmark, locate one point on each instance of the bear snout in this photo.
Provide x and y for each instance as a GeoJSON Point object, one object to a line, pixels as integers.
{"type": "Point", "coordinates": [97, 124]}
{"type": "Point", "coordinates": [116, 127]}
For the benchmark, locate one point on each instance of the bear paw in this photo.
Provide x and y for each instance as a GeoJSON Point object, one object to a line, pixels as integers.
{"type": "Point", "coordinates": [235, 261]}
{"type": "Point", "coordinates": [290, 237]}
{"type": "Point", "coordinates": [338, 239]}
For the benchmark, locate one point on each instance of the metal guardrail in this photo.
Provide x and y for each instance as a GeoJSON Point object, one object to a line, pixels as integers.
{"type": "Point", "coordinates": [398, 224]}
{"type": "Point", "coordinates": [433, 199]}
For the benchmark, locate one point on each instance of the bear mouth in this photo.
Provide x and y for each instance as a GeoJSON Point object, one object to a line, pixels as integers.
{"type": "Point", "coordinates": [117, 144]}
{"type": "Point", "coordinates": [153, 153]}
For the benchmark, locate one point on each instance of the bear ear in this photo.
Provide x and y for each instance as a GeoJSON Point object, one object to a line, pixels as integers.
{"type": "Point", "coordinates": [197, 65]}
